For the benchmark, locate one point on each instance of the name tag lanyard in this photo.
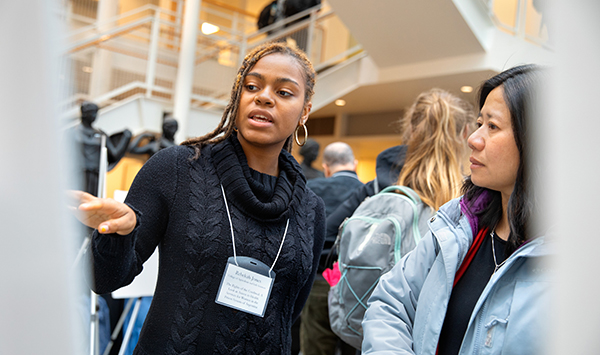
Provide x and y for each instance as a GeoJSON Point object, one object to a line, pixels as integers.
{"type": "Point", "coordinates": [247, 285]}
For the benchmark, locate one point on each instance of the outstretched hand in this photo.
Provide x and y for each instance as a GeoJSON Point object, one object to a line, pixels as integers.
{"type": "Point", "coordinates": [104, 214]}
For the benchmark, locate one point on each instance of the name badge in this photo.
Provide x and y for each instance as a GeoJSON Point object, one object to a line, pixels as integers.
{"type": "Point", "coordinates": [246, 286]}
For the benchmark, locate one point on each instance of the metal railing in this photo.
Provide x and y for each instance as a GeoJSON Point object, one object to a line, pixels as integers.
{"type": "Point", "coordinates": [137, 52]}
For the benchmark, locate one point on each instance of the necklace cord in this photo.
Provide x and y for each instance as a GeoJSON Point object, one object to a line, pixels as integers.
{"type": "Point", "coordinates": [233, 238]}
{"type": "Point", "coordinates": [281, 246]}
{"type": "Point", "coordinates": [497, 266]}
{"type": "Point", "coordinates": [230, 226]}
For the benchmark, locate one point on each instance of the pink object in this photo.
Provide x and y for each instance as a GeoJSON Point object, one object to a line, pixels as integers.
{"type": "Point", "coordinates": [332, 276]}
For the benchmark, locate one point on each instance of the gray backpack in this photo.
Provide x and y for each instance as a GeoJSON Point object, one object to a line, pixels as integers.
{"type": "Point", "coordinates": [381, 231]}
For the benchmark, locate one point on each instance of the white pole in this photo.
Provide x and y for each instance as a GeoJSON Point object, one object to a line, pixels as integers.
{"type": "Point", "coordinates": [185, 70]}
{"type": "Point", "coordinates": [310, 34]}
{"type": "Point", "coordinates": [36, 311]}
{"type": "Point", "coordinates": [102, 59]}
{"type": "Point", "coordinates": [572, 149]}
{"type": "Point", "coordinates": [153, 52]}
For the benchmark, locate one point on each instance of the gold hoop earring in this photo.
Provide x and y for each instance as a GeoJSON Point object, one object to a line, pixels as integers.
{"type": "Point", "coordinates": [305, 135]}
{"type": "Point", "coordinates": [235, 129]}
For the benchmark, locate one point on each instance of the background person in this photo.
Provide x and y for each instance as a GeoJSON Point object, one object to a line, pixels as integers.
{"type": "Point", "coordinates": [236, 191]}
{"type": "Point", "coordinates": [390, 162]}
{"type": "Point", "coordinates": [340, 181]}
{"type": "Point", "coordinates": [477, 270]}
{"type": "Point", "coordinates": [435, 127]}
{"type": "Point", "coordinates": [309, 153]}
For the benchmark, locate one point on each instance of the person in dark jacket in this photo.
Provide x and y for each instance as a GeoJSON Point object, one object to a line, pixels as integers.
{"type": "Point", "coordinates": [316, 336]}
{"type": "Point", "coordinates": [387, 168]}
{"type": "Point", "coordinates": [239, 233]}
{"type": "Point", "coordinates": [310, 152]}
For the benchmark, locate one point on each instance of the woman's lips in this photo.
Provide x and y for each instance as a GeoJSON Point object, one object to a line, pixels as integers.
{"type": "Point", "coordinates": [475, 163]}
{"type": "Point", "coordinates": [260, 118]}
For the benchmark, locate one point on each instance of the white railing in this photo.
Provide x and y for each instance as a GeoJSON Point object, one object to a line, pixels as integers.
{"type": "Point", "coordinates": [520, 18]}
{"type": "Point", "coordinates": [137, 53]}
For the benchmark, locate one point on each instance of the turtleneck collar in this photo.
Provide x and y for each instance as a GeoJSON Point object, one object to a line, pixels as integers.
{"type": "Point", "coordinates": [247, 192]}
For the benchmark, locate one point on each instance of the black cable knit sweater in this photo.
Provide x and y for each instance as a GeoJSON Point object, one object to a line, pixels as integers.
{"type": "Point", "coordinates": [180, 209]}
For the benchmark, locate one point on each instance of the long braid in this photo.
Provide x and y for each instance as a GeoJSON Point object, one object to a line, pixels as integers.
{"type": "Point", "coordinates": [227, 124]}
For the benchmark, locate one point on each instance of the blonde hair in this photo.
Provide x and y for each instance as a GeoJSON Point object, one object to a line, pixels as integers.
{"type": "Point", "coordinates": [435, 129]}
{"type": "Point", "coordinates": [227, 123]}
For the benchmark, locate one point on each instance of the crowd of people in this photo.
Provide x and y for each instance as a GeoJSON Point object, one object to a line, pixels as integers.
{"type": "Point", "coordinates": [245, 232]}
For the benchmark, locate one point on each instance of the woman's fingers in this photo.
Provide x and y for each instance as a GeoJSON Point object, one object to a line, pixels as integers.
{"type": "Point", "coordinates": [122, 225]}
{"type": "Point", "coordinates": [104, 214]}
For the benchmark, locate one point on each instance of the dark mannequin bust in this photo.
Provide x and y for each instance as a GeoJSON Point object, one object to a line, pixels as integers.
{"type": "Point", "coordinates": [89, 138]}
{"type": "Point", "coordinates": [167, 139]}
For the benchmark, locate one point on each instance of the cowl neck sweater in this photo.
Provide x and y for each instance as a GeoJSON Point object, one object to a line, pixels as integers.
{"type": "Point", "coordinates": [247, 190]}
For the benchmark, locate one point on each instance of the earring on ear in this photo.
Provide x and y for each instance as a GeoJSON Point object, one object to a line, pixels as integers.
{"type": "Point", "coordinates": [305, 135]}
{"type": "Point", "coordinates": [235, 129]}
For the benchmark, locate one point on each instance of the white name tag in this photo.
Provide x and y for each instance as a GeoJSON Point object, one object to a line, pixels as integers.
{"type": "Point", "coordinates": [246, 290]}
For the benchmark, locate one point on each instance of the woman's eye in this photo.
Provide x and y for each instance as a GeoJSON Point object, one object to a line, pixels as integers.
{"type": "Point", "coordinates": [492, 126]}
{"type": "Point", "coordinates": [251, 87]}
{"type": "Point", "coordinates": [479, 124]}
{"type": "Point", "coordinates": [285, 93]}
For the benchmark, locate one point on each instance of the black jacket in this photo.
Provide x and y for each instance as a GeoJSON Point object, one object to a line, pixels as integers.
{"type": "Point", "coordinates": [334, 191]}
{"type": "Point", "coordinates": [388, 166]}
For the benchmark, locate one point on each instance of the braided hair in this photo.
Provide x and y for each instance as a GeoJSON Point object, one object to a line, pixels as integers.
{"type": "Point", "coordinates": [227, 123]}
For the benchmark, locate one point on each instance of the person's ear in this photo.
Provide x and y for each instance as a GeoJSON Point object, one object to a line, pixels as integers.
{"type": "Point", "coordinates": [305, 112]}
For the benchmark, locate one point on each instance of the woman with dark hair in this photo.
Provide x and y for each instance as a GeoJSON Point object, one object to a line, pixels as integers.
{"type": "Point", "coordinates": [473, 284]}
{"type": "Point", "coordinates": [239, 233]}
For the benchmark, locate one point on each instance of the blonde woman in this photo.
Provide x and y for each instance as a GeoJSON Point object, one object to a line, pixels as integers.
{"type": "Point", "coordinates": [435, 127]}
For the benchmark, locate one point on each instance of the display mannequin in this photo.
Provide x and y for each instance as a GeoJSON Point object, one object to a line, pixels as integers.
{"type": "Point", "coordinates": [88, 139]}
{"type": "Point", "coordinates": [167, 139]}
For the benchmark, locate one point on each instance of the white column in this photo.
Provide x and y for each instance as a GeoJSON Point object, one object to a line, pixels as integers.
{"type": "Point", "coordinates": [102, 60]}
{"type": "Point", "coordinates": [36, 307]}
{"type": "Point", "coordinates": [152, 54]}
{"type": "Point", "coordinates": [185, 69]}
{"type": "Point", "coordinates": [573, 193]}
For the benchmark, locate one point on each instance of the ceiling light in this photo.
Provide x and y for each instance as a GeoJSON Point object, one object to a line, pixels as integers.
{"type": "Point", "coordinates": [466, 89]}
{"type": "Point", "coordinates": [209, 28]}
{"type": "Point", "coordinates": [340, 102]}
{"type": "Point", "coordinates": [87, 69]}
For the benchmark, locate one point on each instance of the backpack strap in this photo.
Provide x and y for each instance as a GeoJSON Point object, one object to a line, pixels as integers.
{"type": "Point", "coordinates": [405, 190]}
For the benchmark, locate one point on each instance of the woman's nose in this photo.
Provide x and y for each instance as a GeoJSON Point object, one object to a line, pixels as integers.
{"type": "Point", "coordinates": [475, 140]}
{"type": "Point", "coordinates": [263, 98]}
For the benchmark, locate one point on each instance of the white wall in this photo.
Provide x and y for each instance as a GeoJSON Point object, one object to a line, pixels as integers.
{"type": "Point", "coordinates": [571, 135]}
{"type": "Point", "coordinates": [35, 316]}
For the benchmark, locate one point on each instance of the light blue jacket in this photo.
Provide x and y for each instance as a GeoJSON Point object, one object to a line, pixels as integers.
{"type": "Point", "coordinates": [407, 309]}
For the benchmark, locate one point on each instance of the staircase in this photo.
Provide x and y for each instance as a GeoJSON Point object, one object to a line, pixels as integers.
{"type": "Point", "coordinates": [128, 63]}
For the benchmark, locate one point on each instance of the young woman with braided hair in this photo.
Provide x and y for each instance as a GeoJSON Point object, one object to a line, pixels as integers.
{"type": "Point", "coordinates": [239, 234]}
